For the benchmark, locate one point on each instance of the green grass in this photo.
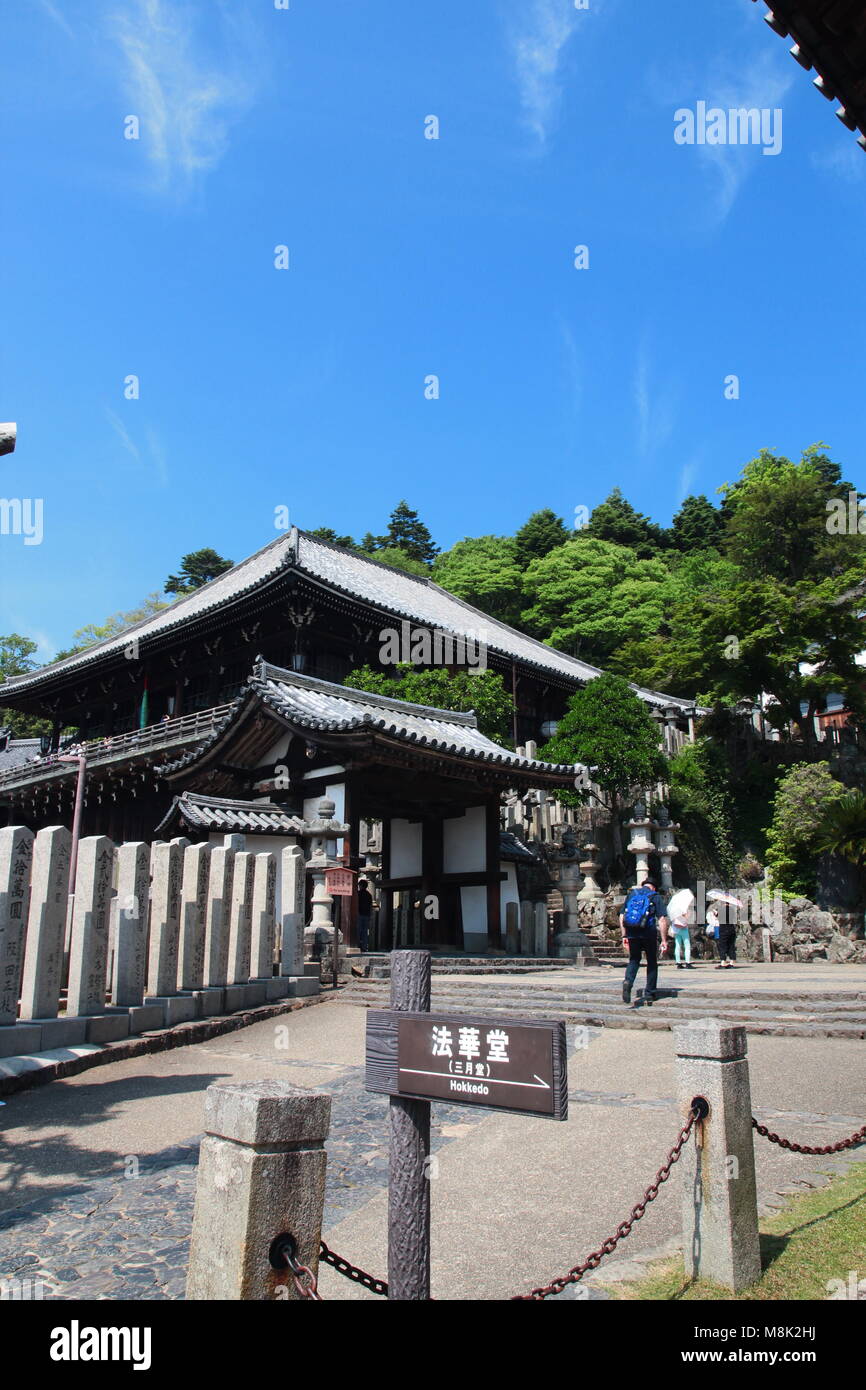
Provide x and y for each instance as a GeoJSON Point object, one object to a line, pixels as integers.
{"type": "Point", "coordinates": [820, 1236]}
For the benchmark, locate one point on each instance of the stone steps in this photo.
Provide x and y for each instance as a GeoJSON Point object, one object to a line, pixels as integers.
{"type": "Point", "coordinates": [380, 967]}
{"type": "Point", "coordinates": [771, 1012]}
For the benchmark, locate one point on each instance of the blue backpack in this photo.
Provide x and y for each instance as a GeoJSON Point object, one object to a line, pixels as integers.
{"type": "Point", "coordinates": [640, 909]}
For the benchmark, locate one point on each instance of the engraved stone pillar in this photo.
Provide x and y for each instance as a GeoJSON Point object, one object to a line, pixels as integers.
{"type": "Point", "coordinates": [216, 949]}
{"type": "Point", "coordinates": [527, 929]}
{"type": "Point", "coordinates": [46, 924]}
{"type": "Point", "coordinates": [241, 919]}
{"type": "Point", "coordinates": [292, 888]}
{"type": "Point", "coordinates": [193, 911]}
{"type": "Point", "coordinates": [88, 950]}
{"type": "Point", "coordinates": [131, 908]}
{"type": "Point", "coordinates": [541, 929]}
{"type": "Point", "coordinates": [263, 917]}
{"type": "Point", "coordinates": [16, 857]}
{"type": "Point", "coordinates": [166, 865]}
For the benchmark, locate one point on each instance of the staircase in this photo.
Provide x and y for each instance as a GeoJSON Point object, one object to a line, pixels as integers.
{"type": "Point", "coordinates": [594, 998]}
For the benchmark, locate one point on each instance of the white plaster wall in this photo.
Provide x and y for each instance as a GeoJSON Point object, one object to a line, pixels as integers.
{"type": "Point", "coordinates": [464, 843]}
{"type": "Point", "coordinates": [508, 889]}
{"type": "Point", "coordinates": [473, 901]}
{"type": "Point", "coordinates": [405, 849]}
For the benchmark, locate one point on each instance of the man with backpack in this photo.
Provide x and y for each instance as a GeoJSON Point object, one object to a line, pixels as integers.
{"type": "Point", "coordinates": [640, 920]}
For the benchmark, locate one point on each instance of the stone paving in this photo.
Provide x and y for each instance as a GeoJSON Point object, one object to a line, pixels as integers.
{"type": "Point", "coordinates": [99, 1234]}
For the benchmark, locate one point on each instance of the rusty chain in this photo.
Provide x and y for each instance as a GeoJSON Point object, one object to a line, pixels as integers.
{"type": "Point", "coordinates": [350, 1271]}
{"type": "Point", "coordinates": [592, 1261]}
{"type": "Point", "coordinates": [855, 1139]}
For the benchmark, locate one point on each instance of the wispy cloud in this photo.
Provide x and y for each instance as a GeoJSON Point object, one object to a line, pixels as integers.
{"type": "Point", "coordinates": [845, 161]}
{"type": "Point", "coordinates": [537, 46]}
{"type": "Point", "coordinates": [655, 406]}
{"type": "Point", "coordinates": [57, 15]}
{"type": "Point", "coordinates": [185, 98]}
{"type": "Point", "coordinates": [149, 457]}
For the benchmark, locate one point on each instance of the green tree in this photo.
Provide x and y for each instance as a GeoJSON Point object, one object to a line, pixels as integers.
{"type": "Point", "coordinates": [17, 658]}
{"type": "Point", "coordinates": [325, 533]}
{"type": "Point", "coordinates": [805, 795]}
{"type": "Point", "coordinates": [196, 569]}
{"type": "Point", "coordinates": [616, 520]}
{"type": "Point", "coordinates": [483, 571]}
{"type": "Point", "coordinates": [482, 692]}
{"type": "Point", "coordinates": [543, 532]}
{"type": "Point", "coordinates": [400, 559]}
{"type": "Point", "coordinates": [587, 597]}
{"type": "Point", "coordinates": [406, 532]}
{"type": "Point", "coordinates": [114, 624]}
{"type": "Point", "coordinates": [698, 525]}
{"type": "Point", "coordinates": [842, 827]}
{"type": "Point", "coordinates": [607, 728]}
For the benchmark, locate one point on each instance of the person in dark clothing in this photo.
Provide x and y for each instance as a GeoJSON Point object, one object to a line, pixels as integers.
{"type": "Point", "coordinates": [641, 937]}
{"type": "Point", "coordinates": [726, 938]}
{"type": "Point", "coordinates": [365, 912]}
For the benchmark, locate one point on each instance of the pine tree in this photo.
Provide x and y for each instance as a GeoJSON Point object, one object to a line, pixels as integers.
{"type": "Point", "coordinates": [543, 532]}
{"type": "Point", "coordinates": [196, 569]}
{"type": "Point", "coordinates": [406, 532]}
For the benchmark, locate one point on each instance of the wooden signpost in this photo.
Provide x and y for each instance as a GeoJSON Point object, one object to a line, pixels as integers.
{"type": "Point", "coordinates": [340, 883]}
{"type": "Point", "coordinates": [415, 1057]}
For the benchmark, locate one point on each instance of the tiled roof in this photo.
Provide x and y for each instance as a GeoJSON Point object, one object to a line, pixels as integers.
{"type": "Point", "coordinates": [223, 813]}
{"type": "Point", "coordinates": [829, 36]}
{"type": "Point", "coordinates": [17, 752]}
{"type": "Point", "coordinates": [387, 589]}
{"type": "Point", "coordinates": [322, 707]}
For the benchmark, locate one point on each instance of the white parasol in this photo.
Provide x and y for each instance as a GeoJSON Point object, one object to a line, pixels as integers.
{"type": "Point", "coordinates": [681, 906]}
{"type": "Point", "coordinates": [717, 896]}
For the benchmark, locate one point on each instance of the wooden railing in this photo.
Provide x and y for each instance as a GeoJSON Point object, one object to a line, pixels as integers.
{"type": "Point", "coordinates": [102, 752]}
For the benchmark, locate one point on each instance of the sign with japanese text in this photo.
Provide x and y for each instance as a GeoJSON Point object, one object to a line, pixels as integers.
{"type": "Point", "coordinates": [507, 1065]}
{"type": "Point", "coordinates": [339, 882]}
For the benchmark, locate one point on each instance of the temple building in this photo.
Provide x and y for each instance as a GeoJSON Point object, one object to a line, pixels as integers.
{"type": "Point", "coordinates": [225, 713]}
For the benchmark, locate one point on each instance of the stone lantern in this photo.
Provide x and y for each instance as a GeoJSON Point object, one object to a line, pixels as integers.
{"type": "Point", "coordinates": [320, 844]}
{"type": "Point", "coordinates": [666, 848]}
{"type": "Point", "coordinates": [589, 867]}
{"type": "Point", "coordinates": [563, 859]}
{"type": "Point", "coordinates": [640, 844]}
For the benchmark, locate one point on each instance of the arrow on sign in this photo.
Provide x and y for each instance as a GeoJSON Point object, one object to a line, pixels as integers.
{"type": "Point", "coordinates": [492, 1080]}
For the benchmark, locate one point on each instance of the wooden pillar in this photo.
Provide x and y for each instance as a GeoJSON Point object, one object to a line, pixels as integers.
{"type": "Point", "coordinates": [386, 897]}
{"type": "Point", "coordinates": [494, 917]}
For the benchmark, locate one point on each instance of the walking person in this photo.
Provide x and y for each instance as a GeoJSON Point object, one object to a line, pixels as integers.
{"type": "Point", "coordinates": [712, 931]}
{"type": "Point", "coordinates": [682, 942]}
{"type": "Point", "coordinates": [642, 917]}
{"type": "Point", "coordinates": [727, 938]}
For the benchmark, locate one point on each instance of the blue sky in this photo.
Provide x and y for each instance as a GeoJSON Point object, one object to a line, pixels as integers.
{"type": "Point", "coordinates": [304, 127]}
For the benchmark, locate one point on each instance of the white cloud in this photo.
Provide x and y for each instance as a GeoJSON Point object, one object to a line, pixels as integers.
{"type": "Point", "coordinates": [846, 160]}
{"type": "Point", "coordinates": [185, 101]}
{"type": "Point", "coordinates": [59, 18]}
{"type": "Point", "coordinates": [732, 85]}
{"type": "Point", "coordinates": [655, 407]}
{"type": "Point", "coordinates": [536, 49]}
{"type": "Point", "coordinates": [122, 434]}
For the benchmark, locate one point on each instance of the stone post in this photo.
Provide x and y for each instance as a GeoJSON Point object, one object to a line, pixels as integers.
{"type": "Point", "coordinates": [527, 929]}
{"type": "Point", "coordinates": [541, 929]}
{"type": "Point", "coordinates": [131, 907]}
{"type": "Point", "coordinates": [292, 886]}
{"type": "Point", "coordinates": [16, 857]}
{"type": "Point", "coordinates": [216, 941]}
{"type": "Point", "coordinates": [263, 917]}
{"type": "Point", "coordinates": [46, 924]}
{"type": "Point", "coordinates": [166, 861]}
{"type": "Point", "coordinates": [193, 909]}
{"type": "Point", "coordinates": [512, 928]}
{"type": "Point", "coordinates": [241, 919]}
{"type": "Point", "coordinates": [261, 1174]}
{"type": "Point", "coordinates": [88, 949]}
{"type": "Point", "coordinates": [720, 1210]}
